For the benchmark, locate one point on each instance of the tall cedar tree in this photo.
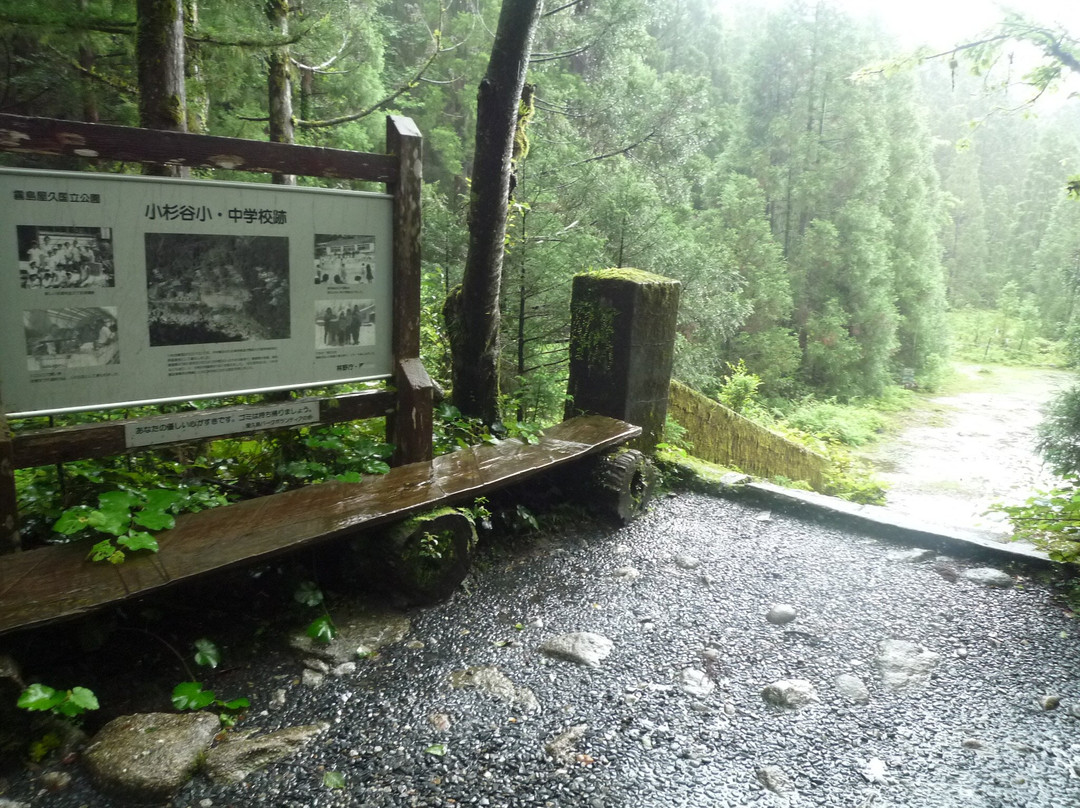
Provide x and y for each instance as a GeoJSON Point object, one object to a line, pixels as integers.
{"type": "Point", "coordinates": [159, 45]}
{"type": "Point", "coordinates": [473, 309]}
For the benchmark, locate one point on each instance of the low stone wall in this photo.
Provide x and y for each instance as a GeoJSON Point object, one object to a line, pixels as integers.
{"type": "Point", "coordinates": [720, 435]}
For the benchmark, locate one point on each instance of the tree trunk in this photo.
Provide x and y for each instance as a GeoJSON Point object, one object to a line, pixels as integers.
{"type": "Point", "coordinates": [198, 102]}
{"type": "Point", "coordinates": [475, 333]}
{"type": "Point", "coordinates": [86, 62]}
{"type": "Point", "coordinates": [280, 84]}
{"type": "Point", "coordinates": [159, 45]}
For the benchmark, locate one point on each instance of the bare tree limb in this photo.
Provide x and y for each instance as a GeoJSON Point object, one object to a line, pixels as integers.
{"type": "Point", "coordinates": [404, 88]}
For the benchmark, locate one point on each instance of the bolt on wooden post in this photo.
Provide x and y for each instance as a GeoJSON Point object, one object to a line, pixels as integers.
{"type": "Point", "coordinates": [622, 345]}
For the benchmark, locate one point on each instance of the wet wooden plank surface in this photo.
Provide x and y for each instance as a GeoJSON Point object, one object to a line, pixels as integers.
{"type": "Point", "coordinates": [52, 583]}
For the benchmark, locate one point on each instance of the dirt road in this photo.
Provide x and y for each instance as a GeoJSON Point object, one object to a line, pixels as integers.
{"type": "Point", "coordinates": [971, 448]}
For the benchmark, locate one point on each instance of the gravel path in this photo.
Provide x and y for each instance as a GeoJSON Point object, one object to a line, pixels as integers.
{"type": "Point", "coordinates": [643, 731]}
{"type": "Point", "coordinates": [978, 449]}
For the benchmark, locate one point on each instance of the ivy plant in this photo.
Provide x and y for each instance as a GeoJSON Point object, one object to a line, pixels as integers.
{"type": "Point", "coordinates": [66, 703]}
{"type": "Point", "coordinates": [123, 518]}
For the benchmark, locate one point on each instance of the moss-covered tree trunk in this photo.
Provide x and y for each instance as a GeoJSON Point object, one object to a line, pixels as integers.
{"type": "Point", "coordinates": [198, 98]}
{"type": "Point", "coordinates": [159, 47]}
{"type": "Point", "coordinates": [280, 83]}
{"type": "Point", "coordinates": [474, 311]}
{"type": "Point", "coordinates": [86, 62]}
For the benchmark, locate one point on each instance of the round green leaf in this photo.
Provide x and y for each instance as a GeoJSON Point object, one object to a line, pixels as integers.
{"type": "Point", "coordinates": [322, 629]}
{"type": "Point", "coordinates": [84, 698]}
{"type": "Point", "coordinates": [191, 696]}
{"type": "Point", "coordinates": [73, 520]}
{"type": "Point", "coordinates": [139, 540]}
{"type": "Point", "coordinates": [39, 697]}
{"type": "Point", "coordinates": [308, 593]}
{"type": "Point", "coordinates": [154, 520]}
{"type": "Point", "coordinates": [207, 653]}
{"type": "Point", "coordinates": [108, 521]}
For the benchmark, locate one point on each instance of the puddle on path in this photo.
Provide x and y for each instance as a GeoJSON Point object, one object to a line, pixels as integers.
{"type": "Point", "coordinates": [972, 449]}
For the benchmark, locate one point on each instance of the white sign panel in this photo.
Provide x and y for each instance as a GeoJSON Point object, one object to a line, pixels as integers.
{"type": "Point", "coordinates": [119, 290]}
{"type": "Point", "coordinates": [188, 426]}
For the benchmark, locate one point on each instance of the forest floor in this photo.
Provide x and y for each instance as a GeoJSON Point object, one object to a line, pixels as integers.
{"type": "Point", "coordinates": [969, 447]}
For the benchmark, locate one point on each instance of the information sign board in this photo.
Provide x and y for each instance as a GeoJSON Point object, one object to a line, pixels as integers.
{"type": "Point", "coordinates": [119, 290]}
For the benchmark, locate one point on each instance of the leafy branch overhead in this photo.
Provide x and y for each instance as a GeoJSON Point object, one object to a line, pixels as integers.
{"type": "Point", "coordinates": [1058, 48]}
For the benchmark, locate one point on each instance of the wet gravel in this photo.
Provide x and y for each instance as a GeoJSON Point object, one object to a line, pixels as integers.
{"type": "Point", "coordinates": [975, 735]}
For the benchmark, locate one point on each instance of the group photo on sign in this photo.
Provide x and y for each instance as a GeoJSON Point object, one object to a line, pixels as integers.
{"type": "Point", "coordinates": [344, 260]}
{"type": "Point", "coordinates": [65, 257]}
{"type": "Point", "coordinates": [344, 322]}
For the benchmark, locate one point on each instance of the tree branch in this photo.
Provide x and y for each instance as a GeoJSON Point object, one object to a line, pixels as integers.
{"type": "Point", "coordinates": [404, 88]}
{"type": "Point", "coordinates": [116, 84]}
{"type": "Point", "coordinates": [71, 23]}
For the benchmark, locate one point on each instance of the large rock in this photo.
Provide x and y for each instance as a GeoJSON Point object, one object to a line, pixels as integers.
{"type": "Point", "coordinates": [781, 614]}
{"type": "Point", "coordinates": [988, 576]}
{"type": "Point", "coordinates": [792, 693]}
{"type": "Point", "coordinates": [233, 761]}
{"type": "Point", "coordinates": [904, 664]}
{"type": "Point", "coordinates": [853, 688]}
{"type": "Point", "coordinates": [775, 779]}
{"type": "Point", "coordinates": [582, 647]}
{"type": "Point", "coordinates": [147, 757]}
{"type": "Point", "coordinates": [360, 632]}
{"type": "Point", "coordinates": [696, 683]}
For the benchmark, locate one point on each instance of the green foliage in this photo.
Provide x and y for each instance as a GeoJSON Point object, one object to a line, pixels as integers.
{"type": "Point", "coordinates": [739, 388]}
{"type": "Point", "coordinates": [1058, 433]}
{"type": "Point", "coordinates": [334, 779]}
{"type": "Point", "coordinates": [453, 431]}
{"type": "Point", "coordinates": [432, 545]}
{"type": "Point", "coordinates": [342, 452]}
{"type": "Point", "coordinates": [999, 337]}
{"type": "Point", "coordinates": [308, 593]}
{"type": "Point", "coordinates": [322, 629]}
{"type": "Point", "coordinates": [44, 746]}
{"type": "Point", "coordinates": [207, 654]}
{"type": "Point", "coordinates": [193, 696]}
{"type": "Point", "coordinates": [1050, 520]}
{"type": "Point", "coordinates": [66, 703]}
{"type": "Point", "coordinates": [836, 423]}
{"type": "Point", "coordinates": [118, 515]}
{"type": "Point", "coordinates": [851, 479]}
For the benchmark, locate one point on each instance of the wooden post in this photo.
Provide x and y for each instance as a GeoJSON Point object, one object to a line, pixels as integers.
{"type": "Point", "coordinates": [410, 429]}
{"type": "Point", "coordinates": [622, 345]}
{"type": "Point", "coordinates": [9, 503]}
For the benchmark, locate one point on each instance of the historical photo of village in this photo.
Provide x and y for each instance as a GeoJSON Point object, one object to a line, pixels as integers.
{"type": "Point", "coordinates": [55, 257]}
{"type": "Point", "coordinates": [212, 288]}
{"type": "Point", "coordinates": [341, 323]}
{"type": "Point", "coordinates": [344, 261]}
{"type": "Point", "coordinates": [61, 339]}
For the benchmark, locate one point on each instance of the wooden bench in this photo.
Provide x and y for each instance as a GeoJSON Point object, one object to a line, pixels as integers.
{"type": "Point", "coordinates": [58, 582]}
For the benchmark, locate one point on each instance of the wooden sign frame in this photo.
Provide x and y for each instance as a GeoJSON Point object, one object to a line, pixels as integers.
{"type": "Point", "coordinates": [407, 407]}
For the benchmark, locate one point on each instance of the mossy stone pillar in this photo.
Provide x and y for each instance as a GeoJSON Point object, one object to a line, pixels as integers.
{"type": "Point", "coordinates": [622, 344]}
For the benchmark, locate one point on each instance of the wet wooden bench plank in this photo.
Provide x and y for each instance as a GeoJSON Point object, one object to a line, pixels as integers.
{"type": "Point", "coordinates": [53, 583]}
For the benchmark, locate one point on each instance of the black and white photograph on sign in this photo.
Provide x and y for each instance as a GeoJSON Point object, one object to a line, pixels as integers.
{"type": "Point", "coordinates": [344, 260]}
{"type": "Point", "coordinates": [204, 289]}
{"type": "Point", "coordinates": [344, 322]}
{"type": "Point", "coordinates": [65, 257]}
{"type": "Point", "coordinates": [70, 338]}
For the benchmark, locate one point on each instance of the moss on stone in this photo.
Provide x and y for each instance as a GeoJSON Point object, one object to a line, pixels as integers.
{"type": "Point", "coordinates": [629, 275]}
{"type": "Point", "coordinates": [722, 436]}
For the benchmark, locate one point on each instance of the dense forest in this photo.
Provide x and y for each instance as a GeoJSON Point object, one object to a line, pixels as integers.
{"type": "Point", "coordinates": [823, 216]}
